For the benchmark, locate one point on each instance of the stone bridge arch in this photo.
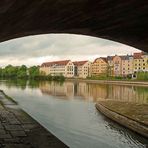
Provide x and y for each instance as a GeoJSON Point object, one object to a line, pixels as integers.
{"type": "Point", "coordinates": [118, 20]}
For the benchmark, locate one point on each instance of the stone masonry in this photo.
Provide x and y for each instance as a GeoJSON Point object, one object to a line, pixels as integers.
{"type": "Point", "coordinates": [19, 130]}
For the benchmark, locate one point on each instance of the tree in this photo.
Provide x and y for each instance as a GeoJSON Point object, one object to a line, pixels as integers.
{"type": "Point", "coordinates": [22, 72]}
{"type": "Point", "coordinates": [10, 71]}
{"type": "Point", "coordinates": [34, 72]}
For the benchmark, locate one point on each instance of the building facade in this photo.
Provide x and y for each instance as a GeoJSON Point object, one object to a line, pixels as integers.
{"type": "Point", "coordinates": [140, 62]}
{"type": "Point", "coordinates": [110, 69]}
{"type": "Point", "coordinates": [117, 66]}
{"type": "Point", "coordinates": [127, 65]}
{"type": "Point", "coordinates": [57, 68]}
{"type": "Point", "coordinates": [99, 66]}
{"type": "Point", "coordinates": [137, 62]}
{"type": "Point", "coordinates": [82, 69]}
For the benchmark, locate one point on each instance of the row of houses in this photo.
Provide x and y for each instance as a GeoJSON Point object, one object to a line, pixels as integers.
{"type": "Point", "coordinates": [67, 68]}
{"type": "Point", "coordinates": [112, 66]}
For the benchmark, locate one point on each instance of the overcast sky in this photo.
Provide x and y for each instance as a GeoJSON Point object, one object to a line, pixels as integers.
{"type": "Point", "coordinates": [34, 50]}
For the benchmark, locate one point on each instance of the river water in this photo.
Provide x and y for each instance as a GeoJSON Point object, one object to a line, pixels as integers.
{"type": "Point", "coordinates": [68, 111]}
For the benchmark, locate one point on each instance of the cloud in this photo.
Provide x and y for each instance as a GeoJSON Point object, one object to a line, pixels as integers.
{"type": "Point", "coordinates": [37, 49]}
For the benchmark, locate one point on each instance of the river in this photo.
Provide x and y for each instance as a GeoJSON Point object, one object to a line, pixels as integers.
{"type": "Point", "coordinates": [68, 111]}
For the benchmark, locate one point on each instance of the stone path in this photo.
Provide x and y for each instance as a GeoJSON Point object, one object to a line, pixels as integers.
{"type": "Point", "coordinates": [19, 130]}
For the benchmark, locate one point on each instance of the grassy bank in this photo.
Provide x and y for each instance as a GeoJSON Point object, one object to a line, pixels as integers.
{"type": "Point", "coordinates": [131, 115]}
{"type": "Point", "coordinates": [137, 112]}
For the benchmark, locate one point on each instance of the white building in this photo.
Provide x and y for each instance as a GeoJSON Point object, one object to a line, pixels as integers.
{"type": "Point", "coordinates": [65, 68]}
{"type": "Point", "coordinates": [82, 69]}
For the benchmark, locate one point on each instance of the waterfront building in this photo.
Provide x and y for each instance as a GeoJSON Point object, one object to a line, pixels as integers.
{"type": "Point", "coordinates": [140, 62]}
{"type": "Point", "coordinates": [145, 61]}
{"type": "Point", "coordinates": [82, 69]}
{"type": "Point", "coordinates": [127, 65]}
{"type": "Point", "coordinates": [99, 66]}
{"type": "Point", "coordinates": [117, 66]}
{"type": "Point", "coordinates": [110, 69]}
{"type": "Point", "coordinates": [57, 68]}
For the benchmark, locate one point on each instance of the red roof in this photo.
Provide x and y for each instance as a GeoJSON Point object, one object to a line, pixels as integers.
{"type": "Point", "coordinates": [137, 55]}
{"type": "Point", "coordinates": [79, 63]}
{"type": "Point", "coordinates": [103, 58]}
{"type": "Point", "coordinates": [48, 64]}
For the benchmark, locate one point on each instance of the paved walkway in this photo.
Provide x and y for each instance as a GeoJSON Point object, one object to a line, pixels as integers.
{"type": "Point", "coordinates": [19, 130]}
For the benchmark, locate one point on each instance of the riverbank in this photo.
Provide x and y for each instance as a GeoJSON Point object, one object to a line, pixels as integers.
{"type": "Point", "coordinates": [141, 83]}
{"type": "Point", "coordinates": [19, 130]}
{"type": "Point", "coordinates": [131, 115]}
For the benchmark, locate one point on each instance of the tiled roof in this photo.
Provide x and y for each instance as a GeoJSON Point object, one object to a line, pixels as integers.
{"type": "Point", "coordinates": [48, 64]}
{"type": "Point", "coordinates": [103, 58]}
{"type": "Point", "coordinates": [126, 57]}
{"type": "Point", "coordinates": [137, 55]}
{"type": "Point", "coordinates": [79, 63]}
{"type": "Point", "coordinates": [144, 53]}
{"type": "Point", "coordinates": [109, 58]}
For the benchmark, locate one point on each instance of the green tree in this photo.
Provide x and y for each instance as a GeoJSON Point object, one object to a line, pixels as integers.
{"type": "Point", "coordinates": [10, 71]}
{"type": "Point", "coordinates": [34, 72]}
{"type": "Point", "coordinates": [22, 72]}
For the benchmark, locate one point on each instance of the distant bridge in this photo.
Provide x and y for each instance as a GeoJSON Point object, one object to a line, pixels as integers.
{"type": "Point", "coordinates": [124, 21]}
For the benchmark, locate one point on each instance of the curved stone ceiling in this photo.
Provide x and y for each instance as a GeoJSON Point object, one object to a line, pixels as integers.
{"type": "Point", "coordinates": [118, 20]}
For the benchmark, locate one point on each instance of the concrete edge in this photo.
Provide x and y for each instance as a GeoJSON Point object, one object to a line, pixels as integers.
{"type": "Point", "coordinates": [124, 121]}
{"type": "Point", "coordinates": [136, 83]}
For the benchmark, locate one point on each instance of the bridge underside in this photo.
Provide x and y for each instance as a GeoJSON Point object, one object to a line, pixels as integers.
{"type": "Point", "coordinates": [118, 20]}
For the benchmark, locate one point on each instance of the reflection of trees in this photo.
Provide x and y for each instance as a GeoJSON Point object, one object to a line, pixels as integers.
{"type": "Point", "coordinates": [142, 92]}
{"type": "Point", "coordinates": [19, 83]}
{"type": "Point", "coordinates": [33, 83]}
{"type": "Point", "coordinates": [85, 90]}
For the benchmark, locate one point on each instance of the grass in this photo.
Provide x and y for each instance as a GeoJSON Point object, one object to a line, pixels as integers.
{"type": "Point", "coordinates": [137, 112]}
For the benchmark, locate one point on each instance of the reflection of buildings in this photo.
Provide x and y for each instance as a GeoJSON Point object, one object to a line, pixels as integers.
{"type": "Point", "coordinates": [90, 91]}
{"type": "Point", "coordinates": [56, 89]}
{"type": "Point", "coordinates": [98, 91]}
{"type": "Point", "coordinates": [128, 93]}
{"type": "Point", "coordinates": [67, 89]}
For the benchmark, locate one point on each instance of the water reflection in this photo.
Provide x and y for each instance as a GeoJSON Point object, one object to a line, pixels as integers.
{"type": "Point", "coordinates": [68, 111]}
{"type": "Point", "coordinates": [88, 91]}
{"type": "Point", "coordinates": [85, 91]}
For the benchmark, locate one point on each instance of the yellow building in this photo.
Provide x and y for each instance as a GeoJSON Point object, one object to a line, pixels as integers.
{"type": "Point", "coordinates": [145, 61]}
{"type": "Point", "coordinates": [127, 65]}
{"type": "Point", "coordinates": [65, 68]}
{"type": "Point", "coordinates": [140, 62]}
{"type": "Point", "coordinates": [82, 69]}
{"type": "Point", "coordinates": [137, 62]}
{"type": "Point", "coordinates": [99, 66]}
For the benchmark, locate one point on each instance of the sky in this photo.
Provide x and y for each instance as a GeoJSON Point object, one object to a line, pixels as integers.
{"type": "Point", "coordinates": [34, 50]}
